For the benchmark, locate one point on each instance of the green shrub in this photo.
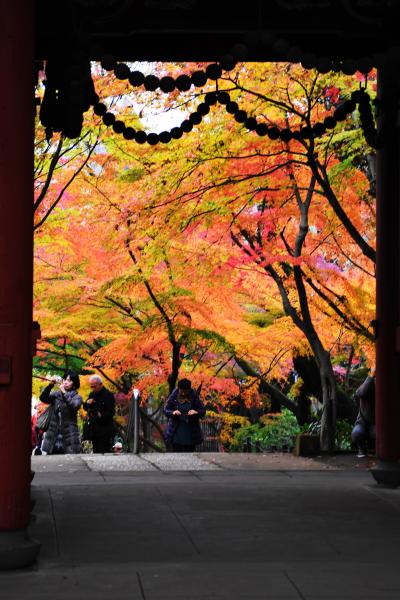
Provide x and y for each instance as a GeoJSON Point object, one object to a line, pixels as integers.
{"type": "Point", "coordinates": [343, 433]}
{"type": "Point", "coordinates": [275, 431]}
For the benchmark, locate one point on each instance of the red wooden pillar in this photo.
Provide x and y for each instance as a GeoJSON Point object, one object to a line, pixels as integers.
{"type": "Point", "coordinates": [16, 255]}
{"type": "Point", "coordinates": [388, 279]}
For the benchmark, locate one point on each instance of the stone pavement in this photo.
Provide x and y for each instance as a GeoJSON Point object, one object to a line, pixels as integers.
{"type": "Point", "coordinates": [204, 461]}
{"type": "Point", "coordinates": [209, 526]}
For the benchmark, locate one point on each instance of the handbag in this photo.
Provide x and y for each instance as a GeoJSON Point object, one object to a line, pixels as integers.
{"type": "Point", "coordinates": [43, 420]}
{"type": "Point", "coordinates": [87, 430]}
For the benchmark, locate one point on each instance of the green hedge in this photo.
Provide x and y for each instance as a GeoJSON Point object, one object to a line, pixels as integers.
{"type": "Point", "coordinates": [274, 432]}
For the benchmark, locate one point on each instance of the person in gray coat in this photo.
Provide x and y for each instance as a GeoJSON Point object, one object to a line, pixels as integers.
{"type": "Point", "coordinates": [364, 428]}
{"type": "Point", "coordinates": [62, 435]}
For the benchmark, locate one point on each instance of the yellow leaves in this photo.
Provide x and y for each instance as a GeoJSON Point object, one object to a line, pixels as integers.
{"type": "Point", "coordinates": [230, 423]}
{"type": "Point", "coordinates": [143, 241]}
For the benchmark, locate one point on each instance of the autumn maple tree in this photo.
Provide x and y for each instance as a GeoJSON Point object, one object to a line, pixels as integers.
{"type": "Point", "coordinates": [221, 252]}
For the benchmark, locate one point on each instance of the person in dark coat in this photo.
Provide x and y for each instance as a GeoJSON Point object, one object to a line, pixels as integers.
{"type": "Point", "coordinates": [184, 410]}
{"type": "Point", "coordinates": [100, 407]}
{"type": "Point", "coordinates": [364, 428]}
{"type": "Point", "coordinates": [62, 435]}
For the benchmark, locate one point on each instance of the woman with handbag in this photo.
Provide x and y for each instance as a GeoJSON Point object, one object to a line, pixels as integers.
{"type": "Point", "coordinates": [62, 433]}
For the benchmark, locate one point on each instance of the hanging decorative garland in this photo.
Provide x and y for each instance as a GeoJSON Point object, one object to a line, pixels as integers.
{"type": "Point", "coordinates": [53, 107]}
{"type": "Point", "coordinates": [228, 62]}
{"type": "Point", "coordinates": [166, 84]}
{"type": "Point", "coordinates": [341, 112]}
{"type": "Point", "coordinates": [240, 51]}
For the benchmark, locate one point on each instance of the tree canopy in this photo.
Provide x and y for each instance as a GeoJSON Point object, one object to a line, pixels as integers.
{"type": "Point", "coordinates": [218, 255]}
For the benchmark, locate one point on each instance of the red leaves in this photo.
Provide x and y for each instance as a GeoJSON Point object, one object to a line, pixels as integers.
{"type": "Point", "coordinates": [332, 94]}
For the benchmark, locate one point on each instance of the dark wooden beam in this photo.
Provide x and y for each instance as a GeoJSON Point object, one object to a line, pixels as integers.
{"type": "Point", "coordinates": [190, 30]}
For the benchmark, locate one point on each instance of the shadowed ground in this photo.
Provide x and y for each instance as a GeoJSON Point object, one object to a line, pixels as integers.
{"type": "Point", "coordinates": [210, 526]}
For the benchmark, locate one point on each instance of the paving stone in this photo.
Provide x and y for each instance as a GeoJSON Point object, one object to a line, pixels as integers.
{"type": "Point", "coordinates": [60, 462]}
{"type": "Point", "coordinates": [116, 462]}
{"type": "Point", "coordinates": [180, 462]}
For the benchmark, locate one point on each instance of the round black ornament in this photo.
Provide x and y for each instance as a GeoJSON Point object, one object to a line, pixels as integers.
{"type": "Point", "coordinates": [223, 97]}
{"type": "Point", "coordinates": [203, 109]}
{"type": "Point", "coordinates": [140, 137]}
{"type": "Point", "coordinates": [151, 83]}
{"type": "Point", "coordinates": [183, 83]}
{"type": "Point", "coordinates": [261, 129]}
{"type": "Point", "coordinates": [108, 119]}
{"type": "Point", "coordinates": [165, 137]}
{"type": "Point", "coordinates": [129, 133]}
{"type": "Point", "coordinates": [176, 133]}
{"type": "Point", "coordinates": [121, 71]}
{"type": "Point", "coordinates": [100, 109]}
{"type": "Point", "coordinates": [210, 98]}
{"type": "Point", "coordinates": [250, 123]}
{"type": "Point", "coordinates": [167, 84]}
{"type": "Point", "coordinates": [136, 78]}
{"type": "Point", "coordinates": [232, 107]}
{"type": "Point", "coordinates": [199, 78]}
{"type": "Point", "coordinates": [186, 126]}
{"type": "Point", "coordinates": [228, 62]}
{"type": "Point", "coordinates": [153, 139]}
{"type": "Point", "coordinates": [118, 126]}
{"type": "Point", "coordinates": [240, 116]}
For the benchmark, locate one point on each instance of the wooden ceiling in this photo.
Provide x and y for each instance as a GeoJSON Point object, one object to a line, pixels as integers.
{"type": "Point", "coordinates": [194, 30]}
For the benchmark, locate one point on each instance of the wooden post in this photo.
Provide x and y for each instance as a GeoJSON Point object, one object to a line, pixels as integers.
{"type": "Point", "coordinates": [16, 256]}
{"type": "Point", "coordinates": [136, 420]}
{"type": "Point", "coordinates": [388, 279]}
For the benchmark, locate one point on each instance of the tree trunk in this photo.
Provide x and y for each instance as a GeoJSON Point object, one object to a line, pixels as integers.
{"type": "Point", "coordinates": [328, 419]}
{"type": "Point", "coordinates": [175, 366]}
{"type": "Point", "coordinates": [274, 392]}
